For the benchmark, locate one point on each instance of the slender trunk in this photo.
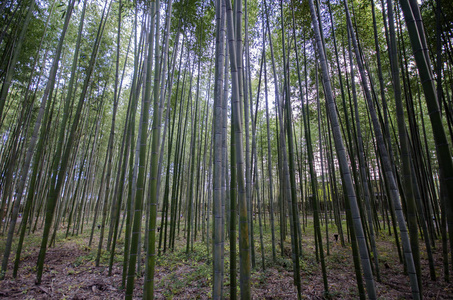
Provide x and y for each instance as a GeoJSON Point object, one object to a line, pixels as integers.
{"type": "Point", "coordinates": [344, 168]}
{"type": "Point", "coordinates": [217, 216]}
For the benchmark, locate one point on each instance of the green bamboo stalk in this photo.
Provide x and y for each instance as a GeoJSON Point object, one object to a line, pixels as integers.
{"type": "Point", "coordinates": [137, 218]}
{"type": "Point", "coordinates": [12, 64]}
{"type": "Point", "coordinates": [419, 48]}
{"type": "Point", "coordinates": [405, 154]}
{"type": "Point", "coordinates": [341, 152]}
{"type": "Point", "coordinates": [388, 172]}
{"type": "Point", "coordinates": [217, 216]}
{"type": "Point", "coordinates": [244, 242]}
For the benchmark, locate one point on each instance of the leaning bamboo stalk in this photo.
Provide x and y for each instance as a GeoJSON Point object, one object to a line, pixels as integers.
{"type": "Point", "coordinates": [341, 153]}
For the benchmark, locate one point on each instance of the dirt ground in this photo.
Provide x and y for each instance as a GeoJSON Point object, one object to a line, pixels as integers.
{"type": "Point", "coordinates": [70, 273]}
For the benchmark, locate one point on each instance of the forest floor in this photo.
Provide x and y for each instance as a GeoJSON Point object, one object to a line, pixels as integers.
{"type": "Point", "coordinates": [70, 271]}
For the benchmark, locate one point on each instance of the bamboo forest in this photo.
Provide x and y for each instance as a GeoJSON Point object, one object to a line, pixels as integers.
{"type": "Point", "coordinates": [195, 149]}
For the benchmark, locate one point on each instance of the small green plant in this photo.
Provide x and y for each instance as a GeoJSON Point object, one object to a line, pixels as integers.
{"type": "Point", "coordinates": [284, 262]}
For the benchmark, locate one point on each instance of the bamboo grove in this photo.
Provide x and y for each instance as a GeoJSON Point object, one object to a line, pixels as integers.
{"type": "Point", "coordinates": [155, 121]}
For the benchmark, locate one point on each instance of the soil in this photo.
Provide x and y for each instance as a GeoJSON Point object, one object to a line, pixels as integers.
{"type": "Point", "coordinates": [70, 273]}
